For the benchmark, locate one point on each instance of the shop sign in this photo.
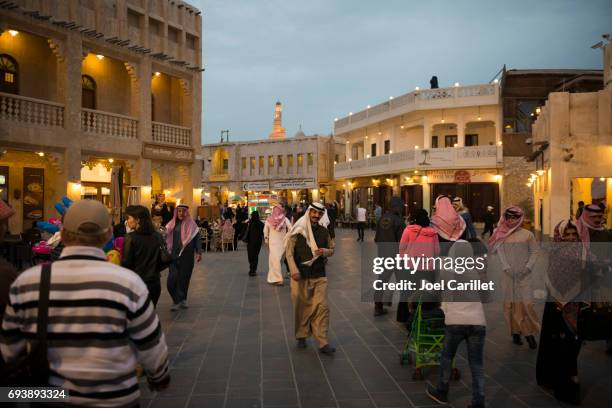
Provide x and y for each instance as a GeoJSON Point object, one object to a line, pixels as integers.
{"type": "Point", "coordinates": [256, 186]}
{"type": "Point", "coordinates": [294, 184]}
{"type": "Point", "coordinates": [157, 152]}
{"type": "Point", "coordinates": [218, 177]}
{"type": "Point", "coordinates": [462, 176]}
{"type": "Point", "coordinates": [33, 195]}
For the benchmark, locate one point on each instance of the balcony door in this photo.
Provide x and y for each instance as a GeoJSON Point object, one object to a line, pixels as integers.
{"type": "Point", "coordinates": [8, 75]}
{"type": "Point", "coordinates": [412, 196]}
{"type": "Point", "coordinates": [88, 95]}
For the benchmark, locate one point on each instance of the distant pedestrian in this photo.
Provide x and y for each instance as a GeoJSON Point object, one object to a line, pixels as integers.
{"type": "Point", "coordinates": [389, 229]}
{"type": "Point", "coordinates": [377, 213]}
{"type": "Point", "coordinates": [489, 221]}
{"type": "Point", "coordinates": [101, 319]}
{"type": "Point", "coordinates": [307, 247]}
{"type": "Point", "coordinates": [464, 212]}
{"type": "Point", "coordinates": [361, 221]}
{"type": "Point", "coordinates": [580, 209]}
{"type": "Point", "coordinates": [275, 229]}
{"type": "Point", "coordinates": [332, 214]}
{"type": "Point", "coordinates": [254, 237]}
{"type": "Point", "coordinates": [141, 249]}
{"type": "Point", "coordinates": [184, 243]}
{"type": "Point", "coordinates": [517, 250]}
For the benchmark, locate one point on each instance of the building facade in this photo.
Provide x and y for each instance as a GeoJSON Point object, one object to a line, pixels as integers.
{"type": "Point", "coordinates": [572, 153]}
{"type": "Point", "coordinates": [524, 92]}
{"type": "Point", "coordinates": [296, 169]}
{"type": "Point", "coordinates": [98, 98]}
{"type": "Point", "coordinates": [422, 144]}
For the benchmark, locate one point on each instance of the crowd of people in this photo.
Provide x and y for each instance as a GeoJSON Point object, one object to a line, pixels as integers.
{"type": "Point", "coordinates": [116, 292]}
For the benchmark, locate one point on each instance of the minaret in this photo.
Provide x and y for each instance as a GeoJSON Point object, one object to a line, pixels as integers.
{"type": "Point", "coordinates": [278, 132]}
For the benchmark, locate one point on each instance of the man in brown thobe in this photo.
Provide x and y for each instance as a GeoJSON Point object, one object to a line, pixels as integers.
{"type": "Point", "coordinates": [307, 247]}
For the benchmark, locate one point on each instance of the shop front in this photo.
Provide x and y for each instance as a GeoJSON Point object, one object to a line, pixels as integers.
{"type": "Point", "coordinates": [477, 188]}
{"type": "Point", "coordinates": [31, 182]}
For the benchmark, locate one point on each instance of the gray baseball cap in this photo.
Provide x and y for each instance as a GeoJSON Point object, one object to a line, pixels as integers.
{"type": "Point", "coordinates": [87, 212]}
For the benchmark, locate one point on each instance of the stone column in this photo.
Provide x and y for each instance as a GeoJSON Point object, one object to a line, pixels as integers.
{"type": "Point", "coordinates": [460, 131]}
{"type": "Point", "coordinates": [426, 134]}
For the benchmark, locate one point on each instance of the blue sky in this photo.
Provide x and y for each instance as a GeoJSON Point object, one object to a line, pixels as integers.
{"type": "Point", "coordinates": [323, 59]}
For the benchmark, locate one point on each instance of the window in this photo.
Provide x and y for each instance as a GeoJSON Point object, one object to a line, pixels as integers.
{"type": "Point", "coordinates": [309, 159]}
{"type": "Point", "coordinates": [133, 19]}
{"type": "Point", "coordinates": [337, 158]}
{"type": "Point", "coordinates": [289, 163]}
{"type": "Point", "coordinates": [243, 166]}
{"type": "Point", "coordinates": [8, 74]}
{"type": "Point", "coordinates": [173, 34]}
{"type": "Point", "coordinates": [373, 150]}
{"type": "Point", "coordinates": [279, 161]}
{"type": "Point", "coordinates": [270, 164]}
{"type": "Point", "coordinates": [450, 140]}
{"type": "Point", "coordinates": [191, 41]}
{"type": "Point", "coordinates": [300, 162]}
{"type": "Point", "coordinates": [88, 95]}
{"type": "Point", "coordinates": [471, 140]}
{"type": "Point", "coordinates": [387, 146]}
{"type": "Point", "coordinates": [261, 165]}
{"type": "Point", "coordinates": [434, 142]}
{"type": "Point", "coordinates": [155, 27]}
{"type": "Point", "coordinates": [252, 166]}
{"type": "Point", "coordinates": [225, 165]}
{"type": "Point", "coordinates": [323, 161]}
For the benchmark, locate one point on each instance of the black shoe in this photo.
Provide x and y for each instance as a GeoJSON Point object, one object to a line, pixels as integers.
{"type": "Point", "coordinates": [380, 311]}
{"type": "Point", "coordinates": [301, 343]}
{"type": "Point", "coordinates": [516, 339]}
{"type": "Point", "coordinates": [438, 396]}
{"type": "Point", "coordinates": [532, 342]}
{"type": "Point", "coordinates": [570, 395]}
{"type": "Point", "coordinates": [327, 349]}
{"type": "Point", "coordinates": [476, 406]}
{"type": "Point", "coordinates": [252, 273]}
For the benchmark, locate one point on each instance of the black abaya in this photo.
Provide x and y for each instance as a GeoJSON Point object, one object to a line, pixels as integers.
{"type": "Point", "coordinates": [558, 353]}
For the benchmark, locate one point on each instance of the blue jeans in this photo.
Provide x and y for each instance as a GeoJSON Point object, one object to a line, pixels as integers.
{"type": "Point", "coordinates": [475, 338]}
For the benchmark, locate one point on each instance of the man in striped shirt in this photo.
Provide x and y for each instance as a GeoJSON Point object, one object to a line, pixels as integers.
{"type": "Point", "coordinates": [101, 319]}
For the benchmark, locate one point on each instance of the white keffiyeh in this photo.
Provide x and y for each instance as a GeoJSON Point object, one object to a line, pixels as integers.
{"type": "Point", "coordinates": [303, 227]}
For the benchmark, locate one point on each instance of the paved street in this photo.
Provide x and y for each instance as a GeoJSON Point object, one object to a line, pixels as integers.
{"type": "Point", "coordinates": [234, 348]}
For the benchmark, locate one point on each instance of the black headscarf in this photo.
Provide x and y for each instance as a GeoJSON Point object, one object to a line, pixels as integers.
{"type": "Point", "coordinates": [421, 217]}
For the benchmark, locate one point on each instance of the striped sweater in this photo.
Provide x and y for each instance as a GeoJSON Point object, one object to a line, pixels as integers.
{"type": "Point", "coordinates": [101, 323]}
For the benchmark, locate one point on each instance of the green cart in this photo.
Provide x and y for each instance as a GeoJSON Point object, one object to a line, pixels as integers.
{"type": "Point", "coordinates": [425, 342]}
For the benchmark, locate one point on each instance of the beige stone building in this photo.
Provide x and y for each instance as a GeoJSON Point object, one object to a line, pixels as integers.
{"type": "Point", "coordinates": [94, 88]}
{"type": "Point", "coordinates": [293, 170]}
{"type": "Point", "coordinates": [572, 150]}
{"type": "Point", "coordinates": [421, 144]}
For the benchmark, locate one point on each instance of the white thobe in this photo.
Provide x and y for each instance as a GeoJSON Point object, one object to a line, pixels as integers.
{"type": "Point", "coordinates": [276, 245]}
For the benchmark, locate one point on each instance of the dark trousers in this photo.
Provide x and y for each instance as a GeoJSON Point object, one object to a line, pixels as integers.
{"type": "Point", "coordinates": [178, 283]}
{"type": "Point", "coordinates": [154, 290]}
{"type": "Point", "coordinates": [488, 228]}
{"type": "Point", "coordinates": [474, 336]}
{"type": "Point", "coordinates": [253, 253]}
{"type": "Point", "coordinates": [360, 228]}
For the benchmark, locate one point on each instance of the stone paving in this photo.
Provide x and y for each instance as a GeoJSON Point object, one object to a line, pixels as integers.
{"type": "Point", "coordinates": [234, 348]}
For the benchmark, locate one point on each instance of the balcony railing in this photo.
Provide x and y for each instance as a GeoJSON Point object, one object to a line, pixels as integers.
{"type": "Point", "coordinates": [423, 159]}
{"type": "Point", "coordinates": [418, 100]}
{"type": "Point", "coordinates": [171, 134]}
{"type": "Point", "coordinates": [109, 124]}
{"type": "Point", "coordinates": [30, 110]}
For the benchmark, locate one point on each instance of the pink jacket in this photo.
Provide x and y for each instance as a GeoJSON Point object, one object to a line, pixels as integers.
{"type": "Point", "coordinates": [419, 241]}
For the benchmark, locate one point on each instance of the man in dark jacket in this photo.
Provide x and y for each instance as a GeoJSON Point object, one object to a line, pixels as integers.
{"type": "Point", "coordinates": [308, 246]}
{"type": "Point", "coordinates": [388, 234]}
